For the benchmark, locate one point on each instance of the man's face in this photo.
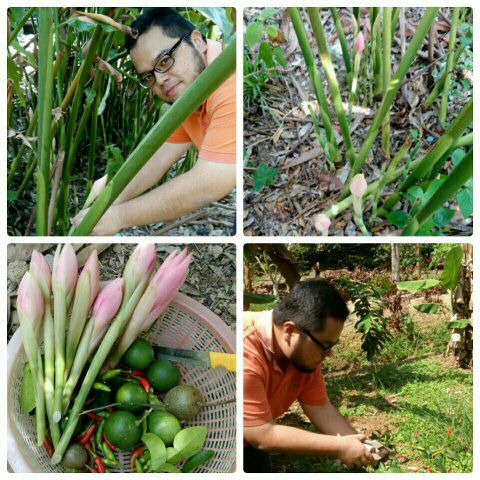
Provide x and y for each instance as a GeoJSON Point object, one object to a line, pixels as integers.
{"type": "Point", "coordinates": [306, 354]}
{"type": "Point", "coordinates": [189, 61]}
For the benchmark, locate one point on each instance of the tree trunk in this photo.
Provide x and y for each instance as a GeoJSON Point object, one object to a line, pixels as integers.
{"type": "Point", "coordinates": [395, 254]}
{"type": "Point", "coordinates": [418, 266]}
{"type": "Point", "coordinates": [282, 258]}
{"type": "Point", "coordinates": [462, 306]}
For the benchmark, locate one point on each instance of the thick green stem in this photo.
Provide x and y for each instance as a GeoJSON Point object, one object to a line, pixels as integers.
{"type": "Point", "coordinates": [315, 78]}
{"type": "Point", "coordinates": [45, 83]}
{"type": "Point", "coordinates": [108, 341]}
{"type": "Point", "coordinates": [387, 47]}
{"type": "Point", "coordinates": [203, 86]}
{"type": "Point", "coordinates": [60, 316]}
{"type": "Point", "coordinates": [395, 84]}
{"type": "Point", "coordinates": [450, 186]}
{"type": "Point", "coordinates": [319, 35]}
{"type": "Point", "coordinates": [451, 53]}
{"type": "Point", "coordinates": [342, 40]}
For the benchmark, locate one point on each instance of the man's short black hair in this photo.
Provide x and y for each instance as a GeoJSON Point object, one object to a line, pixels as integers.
{"type": "Point", "coordinates": [173, 24]}
{"type": "Point", "coordinates": [309, 304]}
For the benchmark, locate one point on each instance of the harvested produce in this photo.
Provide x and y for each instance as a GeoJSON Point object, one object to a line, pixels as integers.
{"type": "Point", "coordinates": [164, 425]}
{"type": "Point", "coordinates": [139, 355]}
{"type": "Point", "coordinates": [131, 393]}
{"type": "Point", "coordinates": [184, 401]}
{"type": "Point", "coordinates": [163, 375]}
{"type": "Point", "coordinates": [122, 430]}
{"type": "Point", "coordinates": [75, 457]}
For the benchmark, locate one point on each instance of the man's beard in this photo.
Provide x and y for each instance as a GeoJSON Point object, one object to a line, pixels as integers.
{"type": "Point", "coordinates": [297, 361]}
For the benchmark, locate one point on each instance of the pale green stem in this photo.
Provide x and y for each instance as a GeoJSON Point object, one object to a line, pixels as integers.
{"type": "Point", "coordinates": [451, 54]}
{"type": "Point", "coordinates": [342, 40]}
{"type": "Point", "coordinates": [101, 354]}
{"type": "Point", "coordinates": [387, 47]}
{"type": "Point", "coordinates": [79, 363]}
{"type": "Point", "coordinates": [40, 401]}
{"type": "Point", "coordinates": [60, 315]}
{"type": "Point", "coordinates": [358, 215]}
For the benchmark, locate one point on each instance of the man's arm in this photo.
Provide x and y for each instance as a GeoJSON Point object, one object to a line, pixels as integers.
{"type": "Point", "coordinates": [328, 420]}
{"type": "Point", "coordinates": [205, 183]}
{"type": "Point", "coordinates": [282, 438]}
{"type": "Point", "coordinates": [153, 170]}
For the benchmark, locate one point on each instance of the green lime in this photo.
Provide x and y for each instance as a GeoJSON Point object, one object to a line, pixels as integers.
{"type": "Point", "coordinates": [131, 392]}
{"type": "Point", "coordinates": [165, 425]}
{"type": "Point", "coordinates": [139, 356]}
{"type": "Point", "coordinates": [163, 375]}
{"type": "Point", "coordinates": [122, 430]}
{"type": "Point", "coordinates": [184, 401]}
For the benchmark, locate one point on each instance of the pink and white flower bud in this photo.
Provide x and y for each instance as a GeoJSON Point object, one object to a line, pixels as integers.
{"type": "Point", "coordinates": [139, 266]}
{"type": "Point", "coordinates": [322, 223]}
{"type": "Point", "coordinates": [358, 185]}
{"type": "Point", "coordinates": [92, 269]}
{"type": "Point", "coordinates": [105, 308]}
{"type": "Point", "coordinates": [30, 301]}
{"type": "Point", "coordinates": [97, 188]}
{"type": "Point", "coordinates": [65, 271]}
{"type": "Point", "coordinates": [40, 269]}
{"type": "Point", "coordinates": [359, 43]}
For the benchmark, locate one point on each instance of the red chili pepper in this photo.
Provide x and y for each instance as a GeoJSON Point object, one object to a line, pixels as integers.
{"type": "Point", "coordinates": [110, 446]}
{"type": "Point", "coordinates": [448, 432]}
{"type": "Point", "coordinates": [48, 446]}
{"type": "Point", "coordinates": [138, 373]}
{"type": "Point", "coordinates": [144, 383]}
{"type": "Point", "coordinates": [427, 469]}
{"type": "Point", "coordinates": [94, 417]}
{"type": "Point", "coordinates": [138, 452]}
{"type": "Point", "coordinates": [110, 409]}
{"type": "Point", "coordinates": [99, 464]}
{"type": "Point", "coordinates": [86, 437]}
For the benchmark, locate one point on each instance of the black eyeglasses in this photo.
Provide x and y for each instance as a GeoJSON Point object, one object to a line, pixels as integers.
{"type": "Point", "coordinates": [325, 348]}
{"type": "Point", "coordinates": [163, 63]}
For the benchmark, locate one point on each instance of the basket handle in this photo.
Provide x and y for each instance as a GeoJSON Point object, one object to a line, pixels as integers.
{"type": "Point", "coordinates": [220, 359]}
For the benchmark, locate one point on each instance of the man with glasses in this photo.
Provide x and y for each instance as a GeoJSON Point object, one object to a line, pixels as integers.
{"type": "Point", "coordinates": [283, 354]}
{"type": "Point", "coordinates": [168, 55]}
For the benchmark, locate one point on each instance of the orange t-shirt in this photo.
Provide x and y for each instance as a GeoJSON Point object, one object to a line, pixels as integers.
{"type": "Point", "coordinates": [211, 128]}
{"type": "Point", "coordinates": [268, 391]}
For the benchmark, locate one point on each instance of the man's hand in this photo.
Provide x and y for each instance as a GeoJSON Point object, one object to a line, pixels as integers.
{"type": "Point", "coordinates": [352, 452]}
{"type": "Point", "coordinates": [109, 224]}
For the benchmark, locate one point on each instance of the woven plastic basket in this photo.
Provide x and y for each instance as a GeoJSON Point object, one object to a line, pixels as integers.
{"type": "Point", "coordinates": [185, 324]}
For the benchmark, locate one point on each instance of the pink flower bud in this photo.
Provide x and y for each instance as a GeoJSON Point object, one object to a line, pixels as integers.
{"type": "Point", "coordinates": [139, 266]}
{"type": "Point", "coordinates": [96, 190]}
{"type": "Point", "coordinates": [359, 43]}
{"type": "Point", "coordinates": [65, 271]}
{"type": "Point", "coordinates": [30, 301]}
{"type": "Point", "coordinates": [40, 269]}
{"type": "Point", "coordinates": [322, 223]}
{"type": "Point", "coordinates": [358, 185]}
{"type": "Point", "coordinates": [92, 269]}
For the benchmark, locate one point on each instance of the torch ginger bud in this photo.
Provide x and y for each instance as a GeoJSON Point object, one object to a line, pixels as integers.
{"type": "Point", "coordinates": [359, 43]}
{"type": "Point", "coordinates": [30, 301]}
{"type": "Point", "coordinates": [65, 270]}
{"type": "Point", "coordinates": [96, 190]}
{"type": "Point", "coordinates": [92, 269]}
{"type": "Point", "coordinates": [139, 266]}
{"type": "Point", "coordinates": [322, 223]}
{"type": "Point", "coordinates": [358, 185]}
{"type": "Point", "coordinates": [40, 270]}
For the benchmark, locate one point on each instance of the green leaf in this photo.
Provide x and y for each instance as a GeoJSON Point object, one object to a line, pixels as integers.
{"type": "Point", "coordinates": [451, 269]}
{"type": "Point", "coordinates": [168, 468]}
{"type": "Point", "coordinates": [465, 201]}
{"type": "Point", "coordinates": [457, 156]}
{"type": "Point", "coordinates": [258, 298]}
{"type": "Point", "coordinates": [197, 460]}
{"type": "Point", "coordinates": [90, 94]}
{"type": "Point", "coordinates": [85, 25]}
{"type": "Point", "coordinates": [253, 33]}
{"type": "Point", "coordinates": [272, 31]}
{"type": "Point", "coordinates": [443, 216]}
{"type": "Point", "coordinates": [413, 286]}
{"type": "Point", "coordinates": [462, 323]}
{"type": "Point", "coordinates": [13, 73]}
{"type": "Point", "coordinates": [190, 440]}
{"type": "Point", "coordinates": [263, 176]}
{"type": "Point", "coordinates": [157, 449]}
{"type": "Point", "coordinates": [115, 162]}
{"type": "Point", "coordinates": [268, 12]}
{"type": "Point", "coordinates": [429, 308]}
{"type": "Point", "coordinates": [27, 390]}
{"type": "Point", "coordinates": [218, 16]}
{"type": "Point", "coordinates": [279, 57]}
{"type": "Point", "coordinates": [398, 218]}
{"type": "Point", "coordinates": [414, 193]}
{"type": "Point", "coordinates": [266, 54]}
{"type": "Point", "coordinates": [10, 195]}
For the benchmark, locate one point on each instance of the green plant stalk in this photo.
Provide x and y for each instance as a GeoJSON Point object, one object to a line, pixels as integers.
{"type": "Point", "coordinates": [81, 357]}
{"type": "Point", "coordinates": [395, 16]}
{"type": "Point", "coordinates": [441, 82]}
{"type": "Point", "coordinates": [387, 47]}
{"type": "Point", "coordinates": [203, 86]}
{"type": "Point", "coordinates": [49, 380]}
{"type": "Point", "coordinates": [466, 140]}
{"type": "Point", "coordinates": [358, 215]}
{"type": "Point", "coordinates": [329, 71]}
{"type": "Point", "coordinates": [342, 40]}
{"type": "Point", "coordinates": [59, 319]}
{"type": "Point", "coordinates": [377, 55]}
{"type": "Point", "coordinates": [315, 78]}
{"type": "Point", "coordinates": [356, 69]}
{"type": "Point", "coordinates": [321, 139]}
{"type": "Point", "coordinates": [62, 202]}
{"type": "Point", "coordinates": [453, 182]}
{"type": "Point", "coordinates": [395, 85]}
{"type": "Point", "coordinates": [40, 402]}
{"type": "Point", "coordinates": [45, 82]}
{"type": "Point", "coordinates": [451, 53]}
{"type": "Point", "coordinates": [92, 147]}
{"type": "Point", "coordinates": [99, 358]}
{"type": "Point", "coordinates": [20, 24]}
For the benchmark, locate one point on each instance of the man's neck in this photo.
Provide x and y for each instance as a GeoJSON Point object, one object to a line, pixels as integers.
{"type": "Point", "coordinates": [281, 360]}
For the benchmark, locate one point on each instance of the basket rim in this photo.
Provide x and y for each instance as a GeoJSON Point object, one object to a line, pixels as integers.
{"type": "Point", "coordinates": [224, 334]}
